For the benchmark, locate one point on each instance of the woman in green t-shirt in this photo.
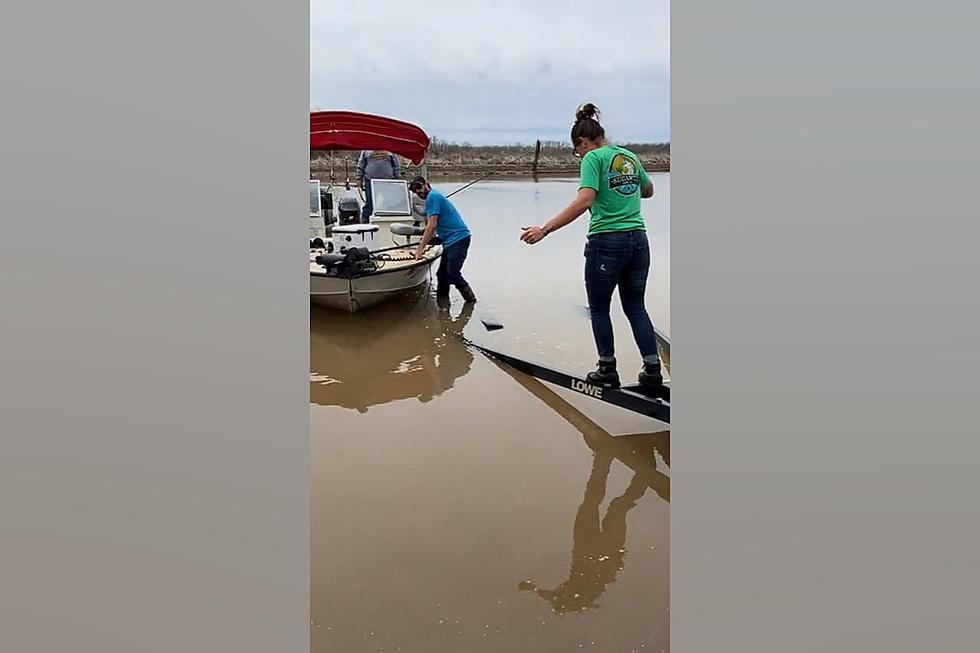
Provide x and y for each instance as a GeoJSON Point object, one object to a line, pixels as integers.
{"type": "Point", "coordinates": [617, 252]}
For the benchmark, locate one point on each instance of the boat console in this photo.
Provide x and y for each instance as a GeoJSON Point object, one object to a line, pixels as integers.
{"type": "Point", "coordinates": [346, 236]}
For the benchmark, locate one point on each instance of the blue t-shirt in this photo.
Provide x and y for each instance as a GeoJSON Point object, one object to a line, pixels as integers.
{"type": "Point", "coordinates": [450, 226]}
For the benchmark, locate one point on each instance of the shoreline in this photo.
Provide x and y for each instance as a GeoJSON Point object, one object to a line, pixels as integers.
{"type": "Point", "coordinates": [455, 172]}
{"type": "Point", "coordinates": [449, 160]}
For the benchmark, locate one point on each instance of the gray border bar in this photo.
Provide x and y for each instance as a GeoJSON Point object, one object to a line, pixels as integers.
{"type": "Point", "coordinates": [824, 314]}
{"type": "Point", "coordinates": [154, 460]}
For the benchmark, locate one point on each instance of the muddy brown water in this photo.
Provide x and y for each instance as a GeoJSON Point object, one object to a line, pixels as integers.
{"type": "Point", "coordinates": [457, 505]}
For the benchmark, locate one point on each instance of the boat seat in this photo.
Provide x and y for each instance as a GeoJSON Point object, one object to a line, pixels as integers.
{"type": "Point", "coordinates": [400, 229]}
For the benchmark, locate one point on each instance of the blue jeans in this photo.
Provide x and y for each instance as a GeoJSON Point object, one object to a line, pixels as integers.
{"type": "Point", "coordinates": [622, 259]}
{"type": "Point", "coordinates": [451, 266]}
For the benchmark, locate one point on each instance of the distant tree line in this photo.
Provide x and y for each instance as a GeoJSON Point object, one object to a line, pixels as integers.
{"type": "Point", "coordinates": [442, 153]}
{"type": "Point", "coordinates": [441, 148]}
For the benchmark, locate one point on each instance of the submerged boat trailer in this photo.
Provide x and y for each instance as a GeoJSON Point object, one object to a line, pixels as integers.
{"type": "Point", "coordinates": [653, 403]}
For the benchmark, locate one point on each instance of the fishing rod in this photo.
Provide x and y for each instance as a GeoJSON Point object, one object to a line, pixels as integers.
{"type": "Point", "coordinates": [347, 180]}
{"type": "Point", "coordinates": [492, 171]}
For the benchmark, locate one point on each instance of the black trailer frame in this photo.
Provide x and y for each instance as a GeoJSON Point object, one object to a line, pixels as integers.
{"type": "Point", "coordinates": [655, 404]}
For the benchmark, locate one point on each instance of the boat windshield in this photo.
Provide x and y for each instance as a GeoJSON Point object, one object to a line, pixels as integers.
{"type": "Point", "coordinates": [390, 197]}
{"type": "Point", "coordinates": [315, 210]}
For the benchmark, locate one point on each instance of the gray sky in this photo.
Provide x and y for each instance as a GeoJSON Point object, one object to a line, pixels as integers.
{"type": "Point", "coordinates": [499, 72]}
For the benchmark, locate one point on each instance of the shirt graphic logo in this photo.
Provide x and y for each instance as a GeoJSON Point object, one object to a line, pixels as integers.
{"type": "Point", "coordinates": [622, 176]}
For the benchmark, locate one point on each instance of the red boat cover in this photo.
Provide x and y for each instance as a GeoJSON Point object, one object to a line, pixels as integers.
{"type": "Point", "coordinates": [347, 130]}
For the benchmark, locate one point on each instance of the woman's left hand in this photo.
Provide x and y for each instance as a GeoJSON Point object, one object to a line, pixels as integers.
{"type": "Point", "coordinates": [533, 234]}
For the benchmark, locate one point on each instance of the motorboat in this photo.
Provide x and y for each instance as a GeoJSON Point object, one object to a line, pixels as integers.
{"type": "Point", "coordinates": [356, 264]}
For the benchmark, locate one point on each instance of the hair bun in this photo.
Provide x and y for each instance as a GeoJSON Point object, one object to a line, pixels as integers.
{"type": "Point", "coordinates": [587, 110]}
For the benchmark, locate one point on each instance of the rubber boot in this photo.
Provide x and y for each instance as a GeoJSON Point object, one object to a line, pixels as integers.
{"type": "Point", "coordinates": [651, 376]}
{"type": "Point", "coordinates": [605, 376]}
{"type": "Point", "coordinates": [468, 294]}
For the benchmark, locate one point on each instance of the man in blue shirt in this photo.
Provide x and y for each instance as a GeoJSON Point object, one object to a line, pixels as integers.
{"type": "Point", "coordinates": [444, 220]}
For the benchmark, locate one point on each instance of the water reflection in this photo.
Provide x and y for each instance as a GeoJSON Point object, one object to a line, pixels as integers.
{"type": "Point", "coordinates": [599, 543]}
{"type": "Point", "coordinates": [399, 350]}
{"type": "Point", "coordinates": [428, 513]}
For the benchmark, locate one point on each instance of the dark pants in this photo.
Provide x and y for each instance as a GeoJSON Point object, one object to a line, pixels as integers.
{"type": "Point", "coordinates": [451, 266]}
{"type": "Point", "coordinates": [368, 202]}
{"type": "Point", "coordinates": [619, 259]}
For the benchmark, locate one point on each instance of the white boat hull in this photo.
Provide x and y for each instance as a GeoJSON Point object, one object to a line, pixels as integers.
{"type": "Point", "coordinates": [360, 292]}
{"type": "Point", "coordinates": [395, 269]}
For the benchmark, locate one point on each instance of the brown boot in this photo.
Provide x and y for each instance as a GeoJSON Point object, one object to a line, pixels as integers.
{"type": "Point", "coordinates": [468, 294]}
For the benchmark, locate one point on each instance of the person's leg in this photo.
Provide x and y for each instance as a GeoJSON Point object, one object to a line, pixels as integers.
{"type": "Point", "coordinates": [442, 276]}
{"type": "Point", "coordinates": [604, 256]}
{"type": "Point", "coordinates": [456, 255]}
{"type": "Point", "coordinates": [632, 295]}
{"type": "Point", "coordinates": [368, 203]}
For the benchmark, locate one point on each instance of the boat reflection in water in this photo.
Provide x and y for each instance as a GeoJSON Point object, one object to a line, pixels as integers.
{"type": "Point", "coordinates": [599, 542]}
{"type": "Point", "coordinates": [407, 348]}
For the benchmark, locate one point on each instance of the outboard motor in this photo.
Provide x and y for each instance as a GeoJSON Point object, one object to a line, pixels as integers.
{"type": "Point", "coordinates": [330, 261]}
{"type": "Point", "coordinates": [348, 207]}
{"type": "Point", "coordinates": [358, 260]}
{"type": "Point", "coordinates": [349, 211]}
{"type": "Point", "coordinates": [354, 261]}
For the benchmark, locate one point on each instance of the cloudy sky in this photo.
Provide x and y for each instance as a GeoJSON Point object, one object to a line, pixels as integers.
{"type": "Point", "coordinates": [499, 72]}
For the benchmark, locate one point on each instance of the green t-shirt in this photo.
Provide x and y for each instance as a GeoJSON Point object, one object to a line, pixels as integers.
{"type": "Point", "coordinates": [615, 174]}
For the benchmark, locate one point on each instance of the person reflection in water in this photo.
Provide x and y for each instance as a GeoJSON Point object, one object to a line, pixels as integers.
{"type": "Point", "coordinates": [598, 547]}
{"type": "Point", "coordinates": [454, 360]}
